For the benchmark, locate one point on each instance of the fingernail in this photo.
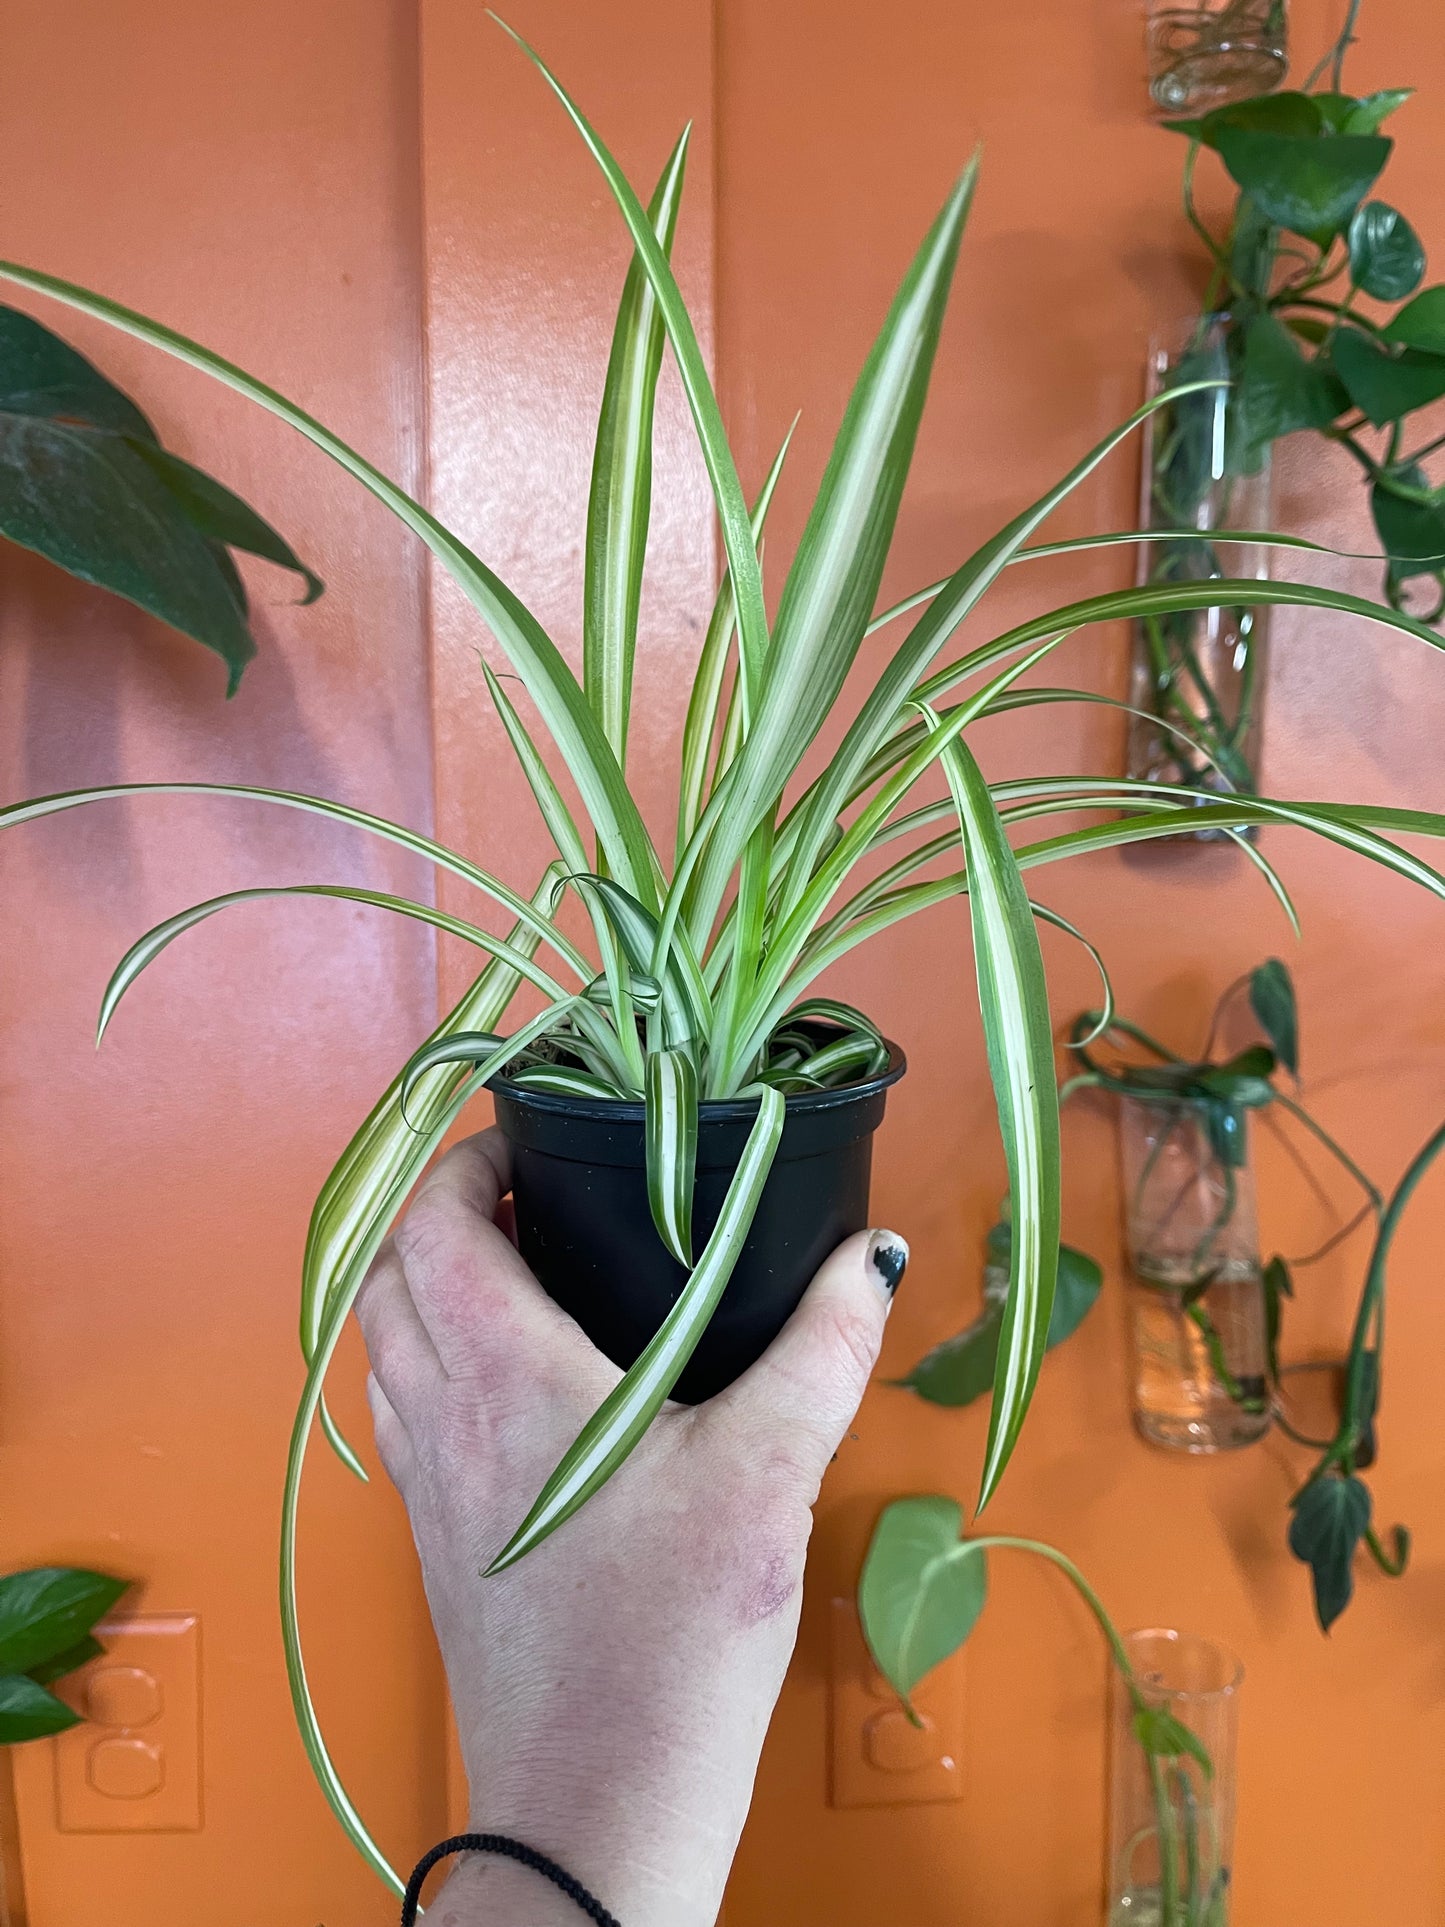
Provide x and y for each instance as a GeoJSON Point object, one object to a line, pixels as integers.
{"type": "Point", "coordinates": [887, 1259]}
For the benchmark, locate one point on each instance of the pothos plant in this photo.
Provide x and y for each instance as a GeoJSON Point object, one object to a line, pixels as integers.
{"type": "Point", "coordinates": [1330, 328]}
{"type": "Point", "coordinates": [1331, 1512]}
{"type": "Point", "coordinates": [923, 1587]}
{"type": "Point", "coordinates": [703, 953]}
{"type": "Point", "coordinates": [1316, 315]}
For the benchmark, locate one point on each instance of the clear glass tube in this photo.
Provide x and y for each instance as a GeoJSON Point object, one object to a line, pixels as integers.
{"type": "Point", "coordinates": [1198, 674]}
{"type": "Point", "coordinates": [1196, 1292]}
{"type": "Point", "coordinates": [1212, 51]}
{"type": "Point", "coordinates": [1171, 1820]}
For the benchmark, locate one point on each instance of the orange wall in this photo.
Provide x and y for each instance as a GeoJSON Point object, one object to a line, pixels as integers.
{"type": "Point", "coordinates": [315, 189]}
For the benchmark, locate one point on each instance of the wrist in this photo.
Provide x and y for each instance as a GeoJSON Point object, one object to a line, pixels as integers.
{"type": "Point", "coordinates": [487, 1890]}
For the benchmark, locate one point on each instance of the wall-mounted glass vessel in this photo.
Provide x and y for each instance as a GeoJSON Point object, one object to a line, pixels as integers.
{"type": "Point", "coordinates": [1198, 674]}
{"type": "Point", "coordinates": [1213, 51]}
{"type": "Point", "coordinates": [1196, 1292]}
{"type": "Point", "coordinates": [1171, 1819]}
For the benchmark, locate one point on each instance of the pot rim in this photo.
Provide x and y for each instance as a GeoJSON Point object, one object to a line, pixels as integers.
{"type": "Point", "coordinates": [627, 1110]}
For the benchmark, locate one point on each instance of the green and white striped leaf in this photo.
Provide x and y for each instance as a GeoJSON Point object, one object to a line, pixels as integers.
{"type": "Point", "coordinates": [697, 386]}
{"type": "Point", "coordinates": [833, 583]}
{"type": "Point", "coordinates": [672, 1148]}
{"type": "Point", "coordinates": [388, 1151]}
{"type": "Point", "coordinates": [622, 1418]}
{"type": "Point", "coordinates": [528, 647]}
{"type": "Point", "coordinates": [386, 1209]}
{"type": "Point", "coordinates": [147, 948]}
{"type": "Point", "coordinates": [620, 504]}
{"type": "Point", "coordinates": [1014, 1001]}
{"type": "Point", "coordinates": [704, 703]}
{"type": "Point", "coordinates": [555, 813]}
{"type": "Point", "coordinates": [686, 1005]}
{"type": "Point", "coordinates": [532, 915]}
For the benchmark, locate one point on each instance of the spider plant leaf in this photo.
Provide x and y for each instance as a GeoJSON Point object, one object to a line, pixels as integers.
{"type": "Point", "coordinates": [671, 1137]}
{"type": "Point", "coordinates": [555, 813]}
{"type": "Point", "coordinates": [147, 948]}
{"type": "Point", "coordinates": [833, 583]}
{"type": "Point", "coordinates": [388, 1151]}
{"type": "Point", "coordinates": [560, 1080]}
{"type": "Point", "coordinates": [1013, 999]}
{"type": "Point", "coordinates": [702, 401]}
{"type": "Point", "coordinates": [387, 1206]}
{"type": "Point", "coordinates": [528, 647]}
{"type": "Point", "coordinates": [622, 1418]}
{"type": "Point", "coordinates": [478, 1047]}
{"type": "Point", "coordinates": [686, 1005]}
{"type": "Point", "coordinates": [620, 504]}
{"type": "Point", "coordinates": [1164, 598]}
{"type": "Point", "coordinates": [704, 703]}
{"type": "Point", "coordinates": [532, 914]}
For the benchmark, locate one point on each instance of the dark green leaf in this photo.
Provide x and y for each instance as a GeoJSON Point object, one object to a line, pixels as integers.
{"type": "Point", "coordinates": [1331, 1516]}
{"type": "Point", "coordinates": [921, 1591]}
{"type": "Point", "coordinates": [1421, 323]}
{"type": "Point", "coordinates": [1282, 389]}
{"type": "Point", "coordinates": [1311, 187]}
{"type": "Point", "coordinates": [80, 1654]}
{"type": "Point", "coordinates": [1165, 1737]}
{"type": "Point", "coordinates": [1411, 533]}
{"type": "Point", "coordinates": [1308, 327]}
{"type": "Point", "coordinates": [28, 1712]}
{"type": "Point", "coordinates": [1244, 1080]}
{"type": "Point", "coordinates": [1383, 385]}
{"type": "Point", "coordinates": [45, 1611]}
{"type": "Point", "coordinates": [1293, 115]}
{"type": "Point", "coordinates": [84, 482]}
{"type": "Point", "coordinates": [1272, 999]}
{"type": "Point", "coordinates": [215, 512]}
{"type": "Point", "coordinates": [1278, 1285]}
{"type": "Point", "coordinates": [42, 375]}
{"type": "Point", "coordinates": [1386, 257]}
{"type": "Point", "coordinates": [961, 1369]}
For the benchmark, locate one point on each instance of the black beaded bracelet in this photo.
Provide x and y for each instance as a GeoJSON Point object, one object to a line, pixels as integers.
{"type": "Point", "coordinates": [510, 1850]}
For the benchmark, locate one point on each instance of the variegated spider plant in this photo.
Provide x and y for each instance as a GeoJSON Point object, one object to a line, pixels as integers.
{"type": "Point", "coordinates": [706, 954]}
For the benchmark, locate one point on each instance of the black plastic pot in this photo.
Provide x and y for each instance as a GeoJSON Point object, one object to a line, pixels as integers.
{"type": "Point", "coordinates": [579, 1189]}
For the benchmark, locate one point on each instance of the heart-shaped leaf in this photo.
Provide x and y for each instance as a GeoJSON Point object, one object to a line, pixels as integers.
{"type": "Point", "coordinates": [1311, 187]}
{"type": "Point", "coordinates": [922, 1589]}
{"type": "Point", "coordinates": [1281, 389]}
{"type": "Point", "coordinates": [1272, 999]}
{"type": "Point", "coordinates": [961, 1369]}
{"type": "Point", "coordinates": [1412, 532]}
{"type": "Point", "coordinates": [1387, 259]}
{"type": "Point", "coordinates": [1421, 323]}
{"type": "Point", "coordinates": [1383, 385]}
{"type": "Point", "coordinates": [1331, 1516]}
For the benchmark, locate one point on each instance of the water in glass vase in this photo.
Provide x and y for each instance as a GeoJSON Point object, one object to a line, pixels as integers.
{"type": "Point", "coordinates": [1197, 1296]}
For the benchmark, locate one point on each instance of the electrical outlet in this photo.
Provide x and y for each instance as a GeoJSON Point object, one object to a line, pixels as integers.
{"type": "Point", "coordinates": [879, 1757]}
{"type": "Point", "coordinates": [135, 1765]}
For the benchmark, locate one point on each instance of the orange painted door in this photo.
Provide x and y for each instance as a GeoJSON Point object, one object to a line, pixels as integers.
{"type": "Point", "coordinates": [379, 208]}
{"type": "Point", "coordinates": [250, 174]}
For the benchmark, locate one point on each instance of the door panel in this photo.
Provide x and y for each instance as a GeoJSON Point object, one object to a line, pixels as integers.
{"type": "Point", "coordinates": [250, 176]}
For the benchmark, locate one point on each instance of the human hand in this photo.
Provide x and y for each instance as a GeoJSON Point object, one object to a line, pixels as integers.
{"type": "Point", "coordinates": [613, 1688]}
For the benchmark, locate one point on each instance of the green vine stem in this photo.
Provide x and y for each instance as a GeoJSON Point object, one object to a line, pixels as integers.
{"type": "Point", "coordinates": [1176, 1910]}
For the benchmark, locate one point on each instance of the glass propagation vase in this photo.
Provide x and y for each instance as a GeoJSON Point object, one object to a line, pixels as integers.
{"type": "Point", "coordinates": [1204, 54]}
{"type": "Point", "coordinates": [1171, 1819]}
{"type": "Point", "coordinates": [1197, 675]}
{"type": "Point", "coordinates": [1196, 1294]}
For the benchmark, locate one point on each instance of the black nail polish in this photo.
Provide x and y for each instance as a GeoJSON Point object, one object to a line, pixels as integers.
{"type": "Point", "coordinates": [890, 1260]}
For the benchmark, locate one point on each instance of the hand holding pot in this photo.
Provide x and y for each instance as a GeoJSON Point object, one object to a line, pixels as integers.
{"type": "Point", "coordinates": [612, 1690]}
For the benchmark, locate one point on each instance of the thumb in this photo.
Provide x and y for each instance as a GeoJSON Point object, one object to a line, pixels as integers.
{"type": "Point", "coordinates": [810, 1380]}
